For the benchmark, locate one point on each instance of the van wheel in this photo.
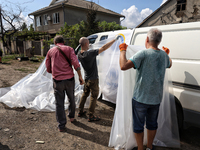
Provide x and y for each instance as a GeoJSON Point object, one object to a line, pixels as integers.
{"type": "Point", "coordinates": [179, 113]}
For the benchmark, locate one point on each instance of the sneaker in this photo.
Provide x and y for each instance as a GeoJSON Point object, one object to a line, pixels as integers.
{"type": "Point", "coordinates": [149, 148]}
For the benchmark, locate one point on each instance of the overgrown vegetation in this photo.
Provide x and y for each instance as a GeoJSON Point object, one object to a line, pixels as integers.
{"type": "Point", "coordinates": [8, 58]}
{"type": "Point", "coordinates": [75, 32]}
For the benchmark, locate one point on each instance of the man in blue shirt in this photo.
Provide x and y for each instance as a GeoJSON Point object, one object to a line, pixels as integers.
{"type": "Point", "coordinates": [150, 65]}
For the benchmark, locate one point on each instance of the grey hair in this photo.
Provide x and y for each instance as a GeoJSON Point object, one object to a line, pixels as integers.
{"type": "Point", "coordinates": [155, 35]}
{"type": "Point", "coordinates": [83, 40]}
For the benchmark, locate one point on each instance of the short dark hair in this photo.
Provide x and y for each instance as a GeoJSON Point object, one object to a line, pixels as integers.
{"type": "Point", "coordinates": [58, 39]}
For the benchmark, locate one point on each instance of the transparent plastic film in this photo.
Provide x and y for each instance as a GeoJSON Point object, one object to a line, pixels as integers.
{"type": "Point", "coordinates": [122, 135]}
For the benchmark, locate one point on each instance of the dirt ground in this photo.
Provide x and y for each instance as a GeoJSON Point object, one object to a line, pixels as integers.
{"type": "Point", "coordinates": [20, 128]}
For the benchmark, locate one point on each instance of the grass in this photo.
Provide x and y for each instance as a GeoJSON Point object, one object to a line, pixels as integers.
{"type": "Point", "coordinates": [8, 58]}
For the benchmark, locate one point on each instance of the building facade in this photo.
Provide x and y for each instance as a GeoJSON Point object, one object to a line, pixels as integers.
{"type": "Point", "coordinates": [52, 18]}
{"type": "Point", "coordinates": [174, 11]}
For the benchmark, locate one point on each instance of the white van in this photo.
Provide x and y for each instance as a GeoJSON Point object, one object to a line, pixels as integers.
{"type": "Point", "coordinates": [183, 40]}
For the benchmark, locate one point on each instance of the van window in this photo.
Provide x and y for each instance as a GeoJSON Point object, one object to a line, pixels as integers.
{"type": "Point", "coordinates": [92, 40]}
{"type": "Point", "coordinates": [103, 37]}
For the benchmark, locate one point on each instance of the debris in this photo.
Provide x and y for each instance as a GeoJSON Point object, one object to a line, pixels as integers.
{"type": "Point", "coordinates": [11, 136]}
{"type": "Point", "coordinates": [6, 130]}
{"type": "Point", "coordinates": [40, 142]}
{"type": "Point", "coordinates": [0, 128]}
{"type": "Point", "coordinates": [33, 112]}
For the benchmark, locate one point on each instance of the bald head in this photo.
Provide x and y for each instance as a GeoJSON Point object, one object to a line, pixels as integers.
{"type": "Point", "coordinates": [83, 41]}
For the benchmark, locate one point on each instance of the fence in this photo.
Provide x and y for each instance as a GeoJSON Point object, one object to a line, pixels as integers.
{"type": "Point", "coordinates": [22, 47]}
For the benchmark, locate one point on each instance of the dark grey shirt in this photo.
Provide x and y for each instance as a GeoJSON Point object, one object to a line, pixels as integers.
{"type": "Point", "coordinates": [88, 61]}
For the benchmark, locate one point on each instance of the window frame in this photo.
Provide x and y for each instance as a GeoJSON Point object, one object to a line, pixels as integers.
{"type": "Point", "coordinates": [45, 19]}
{"type": "Point", "coordinates": [179, 6]}
{"type": "Point", "coordinates": [56, 18]}
{"type": "Point", "coordinates": [38, 21]}
{"type": "Point", "coordinates": [103, 37]}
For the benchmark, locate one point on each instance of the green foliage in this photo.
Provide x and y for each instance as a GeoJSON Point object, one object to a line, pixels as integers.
{"type": "Point", "coordinates": [104, 26]}
{"type": "Point", "coordinates": [24, 26]}
{"type": "Point", "coordinates": [30, 34]}
{"type": "Point", "coordinates": [31, 28]}
{"type": "Point", "coordinates": [83, 29]}
{"type": "Point", "coordinates": [8, 58]}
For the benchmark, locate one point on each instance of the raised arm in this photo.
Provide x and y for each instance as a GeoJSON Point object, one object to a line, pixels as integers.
{"type": "Point", "coordinates": [106, 46]}
{"type": "Point", "coordinates": [109, 44]}
{"type": "Point", "coordinates": [124, 63]}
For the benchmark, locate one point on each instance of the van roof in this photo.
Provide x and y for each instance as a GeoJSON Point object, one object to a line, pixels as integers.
{"type": "Point", "coordinates": [115, 31]}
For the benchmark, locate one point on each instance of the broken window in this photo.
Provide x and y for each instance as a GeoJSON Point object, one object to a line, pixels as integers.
{"type": "Point", "coordinates": [181, 5]}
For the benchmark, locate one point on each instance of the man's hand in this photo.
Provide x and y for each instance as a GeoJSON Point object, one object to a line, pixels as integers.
{"type": "Point", "coordinates": [81, 80]}
{"type": "Point", "coordinates": [80, 76]}
{"type": "Point", "coordinates": [117, 37]}
{"type": "Point", "coordinates": [123, 47]}
{"type": "Point", "coordinates": [166, 50]}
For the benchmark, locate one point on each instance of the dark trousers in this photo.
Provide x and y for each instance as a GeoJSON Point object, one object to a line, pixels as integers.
{"type": "Point", "coordinates": [90, 86]}
{"type": "Point", "coordinates": [60, 87]}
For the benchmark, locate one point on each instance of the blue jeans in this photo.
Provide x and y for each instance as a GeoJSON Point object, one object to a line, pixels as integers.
{"type": "Point", "coordinates": [144, 112]}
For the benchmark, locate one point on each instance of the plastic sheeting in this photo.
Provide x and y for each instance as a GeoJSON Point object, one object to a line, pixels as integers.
{"type": "Point", "coordinates": [108, 66]}
{"type": "Point", "coordinates": [35, 91]}
{"type": "Point", "coordinates": [122, 135]}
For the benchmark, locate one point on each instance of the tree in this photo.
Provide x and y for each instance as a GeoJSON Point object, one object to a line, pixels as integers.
{"type": "Point", "coordinates": [24, 27]}
{"type": "Point", "coordinates": [10, 21]}
{"type": "Point", "coordinates": [91, 24]}
{"type": "Point", "coordinates": [31, 28]}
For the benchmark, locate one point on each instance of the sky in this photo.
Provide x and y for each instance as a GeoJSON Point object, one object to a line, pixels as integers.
{"type": "Point", "coordinates": [135, 11]}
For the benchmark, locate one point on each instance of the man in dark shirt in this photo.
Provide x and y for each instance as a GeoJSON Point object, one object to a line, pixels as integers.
{"type": "Point", "coordinates": [88, 61]}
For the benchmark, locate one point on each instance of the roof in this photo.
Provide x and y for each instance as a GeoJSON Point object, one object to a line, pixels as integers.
{"type": "Point", "coordinates": [153, 13]}
{"type": "Point", "coordinates": [75, 3]}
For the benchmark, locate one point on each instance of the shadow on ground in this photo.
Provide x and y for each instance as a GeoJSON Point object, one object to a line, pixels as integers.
{"type": "Point", "coordinates": [95, 133]}
{"type": "Point", "coordinates": [4, 147]}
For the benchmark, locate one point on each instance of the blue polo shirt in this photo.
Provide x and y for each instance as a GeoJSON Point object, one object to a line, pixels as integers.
{"type": "Point", "coordinates": [150, 68]}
